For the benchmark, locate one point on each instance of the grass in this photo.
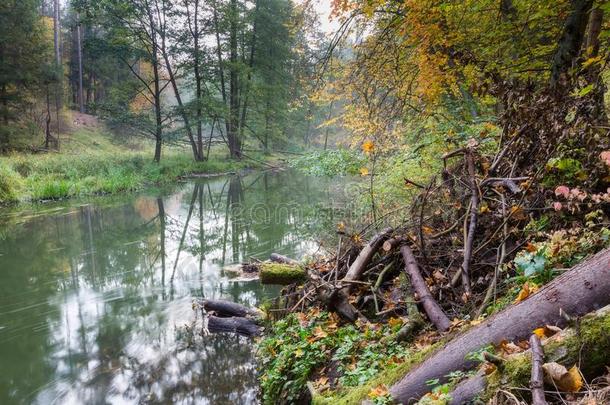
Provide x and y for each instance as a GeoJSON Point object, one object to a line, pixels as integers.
{"type": "Point", "coordinates": [92, 162]}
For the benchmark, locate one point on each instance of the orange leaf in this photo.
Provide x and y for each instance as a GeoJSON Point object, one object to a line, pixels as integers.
{"type": "Point", "coordinates": [379, 391]}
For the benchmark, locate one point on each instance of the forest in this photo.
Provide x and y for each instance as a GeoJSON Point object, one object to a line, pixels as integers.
{"type": "Point", "coordinates": [305, 201]}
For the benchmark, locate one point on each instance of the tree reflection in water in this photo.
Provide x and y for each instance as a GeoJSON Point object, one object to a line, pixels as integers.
{"type": "Point", "coordinates": [93, 297]}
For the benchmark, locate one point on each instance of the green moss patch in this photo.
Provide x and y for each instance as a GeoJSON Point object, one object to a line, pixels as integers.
{"type": "Point", "coordinates": [282, 274]}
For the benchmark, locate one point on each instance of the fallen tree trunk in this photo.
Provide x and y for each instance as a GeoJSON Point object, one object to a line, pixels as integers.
{"type": "Point", "coordinates": [235, 324]}
{"type": "Point", "coordinates": [433, 310]}
{"type": "Point", "coordinates": [584, 288]}
{"type": "Point", "coordinates": [223, 309]}
{"type": "Point", "coordinates": [364, 258]}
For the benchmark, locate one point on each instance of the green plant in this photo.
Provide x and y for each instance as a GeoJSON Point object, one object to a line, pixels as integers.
{"type": "Point", "coordinates": [301, 344]}
{"type": "Point", "coordinates": [330, 163]}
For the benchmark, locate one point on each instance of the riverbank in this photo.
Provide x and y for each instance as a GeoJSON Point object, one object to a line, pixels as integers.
{"type": "Point", "coordinates": [92, 163]}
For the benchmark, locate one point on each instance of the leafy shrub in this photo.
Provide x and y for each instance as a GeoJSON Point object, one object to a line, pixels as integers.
{"type": "Point", "coordinates": [339, 162]}
{"type": "Point", "coordinates": [299, 345]}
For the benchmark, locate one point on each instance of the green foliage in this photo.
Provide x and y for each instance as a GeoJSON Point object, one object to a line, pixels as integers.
{"type": "Point", "coordinates": [563, 171]}
{"type": "Point", "coordinates": [339, 162]}
{"type": "Point", "coordinates": [300, 345]}
{"type": "Point", "coordinates": [10, 184]}
{"type": "Point", "coordinates": [530, 263]}
{"type": "Point", "coordinates": [57, 176]}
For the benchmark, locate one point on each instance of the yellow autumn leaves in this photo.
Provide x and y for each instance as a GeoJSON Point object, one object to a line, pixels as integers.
{"type": "Point", "coordinates": [368, 147]}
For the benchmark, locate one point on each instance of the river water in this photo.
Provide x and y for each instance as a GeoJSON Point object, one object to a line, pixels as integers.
{"type": "Point", "coordinates": [95, 295]}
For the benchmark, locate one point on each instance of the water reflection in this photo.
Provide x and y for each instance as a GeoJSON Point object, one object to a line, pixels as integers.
{"type": "Point", "coordinates": [92, 297]}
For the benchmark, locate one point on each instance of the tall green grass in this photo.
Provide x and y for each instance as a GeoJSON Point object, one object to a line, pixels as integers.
{"type": "Point", "coordinates": [55, 176]}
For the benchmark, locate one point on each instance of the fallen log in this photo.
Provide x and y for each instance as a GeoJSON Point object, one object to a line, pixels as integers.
{"type": "Point", "coordinates": [586, 344]}
{"type": "Point", "coordinates": [336, 301]}
{"type": "Point", "coordinates": [435, 313]}
{"type": "Point", "coordinates": [584, 288]}
{"type": "Point", "coordinates": [282, 273]}
{"type": "Point", "coordinates": [278, 258]}
{"type": "Point", "coordinates": [235, 324]}
{"type": "Point", "coordinates": [224, 309]}
{"type": "Point", "coordinates": [364, 258]}
{"type": "Point", "coordinates": [391, 243]}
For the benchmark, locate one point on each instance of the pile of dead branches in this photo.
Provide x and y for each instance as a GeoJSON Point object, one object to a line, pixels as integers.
{"type": "Point", "coordinates": [463, 228]}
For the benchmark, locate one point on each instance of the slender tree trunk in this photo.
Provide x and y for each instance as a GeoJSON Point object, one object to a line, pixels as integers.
{"type": "Point", "coordinates": [221, 75]}
{"type": "Point", "coordinates": [57, 46]}
{"type": "Point", "coordinates": [47, 137]}
{"type": "Point", "coordinates": [56, 29]}
{"type": "Point", "coordinates": [330, 112]}
{"type": "Point", "coordinates": [244, 110]}
{"type": "Point", "coordinates": [156, 88]}
{"type": "Point", "coordinates": [198, 81]}
{"type": "Point", "coordinates": [233, 134]}
{"type": "Point", "coordinates": [79, 51]}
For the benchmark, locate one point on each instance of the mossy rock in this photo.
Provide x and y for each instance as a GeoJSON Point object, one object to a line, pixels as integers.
{"type": "Point", "coordinates": [282, 274]}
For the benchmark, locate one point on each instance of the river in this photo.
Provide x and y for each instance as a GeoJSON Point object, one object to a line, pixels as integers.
{"type": "Point", "coordinates": [96, 294]}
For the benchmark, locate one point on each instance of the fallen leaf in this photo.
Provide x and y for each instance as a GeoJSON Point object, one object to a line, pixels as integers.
{"type": "Point", "coordinates": [518, 213]}
{"type": "Point", "coordinates": [526, 291]}
{"type": "Point", "coordinates": [546, 331]}
{"type": "Point", "coordinates": [379, 391]}
{"type": "Point", "coordinates": [566, 380]}
{"type": "Point", "coordinates": [322, 381]}
{"type": "Point", "coordinates": [394, 321]}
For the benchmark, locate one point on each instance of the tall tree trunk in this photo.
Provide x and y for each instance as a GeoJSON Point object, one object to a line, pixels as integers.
{"type": "Point", "coordinates": [198, 80]}
{"type": "Point", "coordinates": [181, 109]}
{"type": "Point", "coordinates": [57, 46]}
{"type": "Point", "coordinates": [221, 74]}
{"type": "Point", "coordinates": [79, 51]}
{"type": "Point", "coordinates": [244, 110]}
{"type": "Point", "coordinates": [570, 43]}
{"type": "Point", "coordinates": [156, 87]}
{"type": "Point", "coordinates": [233, 134]}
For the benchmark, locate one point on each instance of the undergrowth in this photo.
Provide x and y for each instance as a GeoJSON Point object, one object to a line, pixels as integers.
{"type": "Point", "coordinates": [300, 345]}
{"type": "Point", "coordinates": [57, 176]}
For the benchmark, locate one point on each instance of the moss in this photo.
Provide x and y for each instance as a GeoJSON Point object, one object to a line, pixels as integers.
{"type": "Point", "coordinates": [387, 377]}
{"type": "Point", "coordinates": [586, 344]}
{"type": "Point", "coordinates": [279, 273]}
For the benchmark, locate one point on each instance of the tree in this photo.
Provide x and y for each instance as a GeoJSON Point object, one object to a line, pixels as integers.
{"type": "Point", "coordinates": [24, 53]}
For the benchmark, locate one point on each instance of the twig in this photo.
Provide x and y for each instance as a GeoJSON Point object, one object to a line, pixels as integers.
{"type": "Point", "coordinates": [536, 382]}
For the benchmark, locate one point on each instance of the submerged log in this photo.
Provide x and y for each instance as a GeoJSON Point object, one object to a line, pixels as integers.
{"type": "Point", "coordinates": [282, 273]}
{"type": "Point", "coordinates": [364, 258]}
{"type": "Point", "coordinates": [584, 288]}
{"type": "Point", "coordinates": [235, 324]}
{"type": "Point", "coordinates": [223, 309]}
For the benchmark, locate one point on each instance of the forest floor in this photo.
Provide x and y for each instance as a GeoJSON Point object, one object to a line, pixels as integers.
{"type": "Point", "coordinates": [387, 315]}
{"type": "Point", "coordinates": [91, 160]}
